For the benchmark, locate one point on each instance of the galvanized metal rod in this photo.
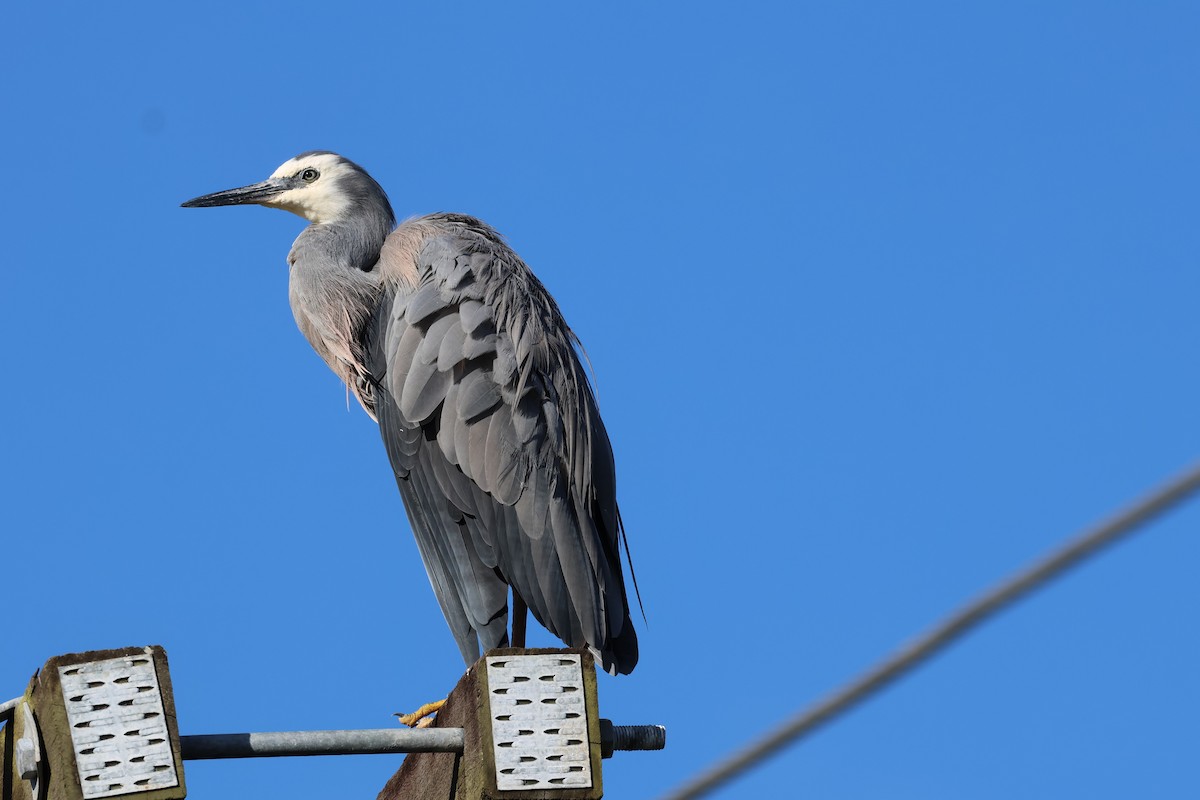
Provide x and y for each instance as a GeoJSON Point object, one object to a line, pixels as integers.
{"type": "Point", "coordinates": [322, 743]}
{"type": "Point", "coordinates": [382, 740]}
{"type": "Point", "coordinates": [949, 629]}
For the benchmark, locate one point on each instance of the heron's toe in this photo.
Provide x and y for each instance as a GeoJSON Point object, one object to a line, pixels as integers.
{"type": "Point", "coordinates": [423, 717]}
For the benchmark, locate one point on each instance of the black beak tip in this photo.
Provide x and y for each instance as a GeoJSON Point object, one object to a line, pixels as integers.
{"type": "Point", "coordinates": [203, 201]}
{"type": "Point", "coordinates": [254, 194]}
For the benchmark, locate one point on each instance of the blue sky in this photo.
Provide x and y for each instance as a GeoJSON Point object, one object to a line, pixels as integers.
{"type": "Point", "coordinates": [883, 300]}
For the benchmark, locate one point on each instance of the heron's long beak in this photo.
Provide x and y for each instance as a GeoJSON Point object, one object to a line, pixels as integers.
{"type": "Point", "coordinates": [254, 193]}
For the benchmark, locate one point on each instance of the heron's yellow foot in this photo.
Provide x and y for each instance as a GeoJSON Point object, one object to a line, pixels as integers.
{"type": "Point", "coordinates": [423, 716]}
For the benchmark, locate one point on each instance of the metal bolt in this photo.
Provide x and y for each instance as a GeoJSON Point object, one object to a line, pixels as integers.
{"type": "Point", "coordinates": [27, 751]}
{"type": "Point", "coordinates": [630, 737]}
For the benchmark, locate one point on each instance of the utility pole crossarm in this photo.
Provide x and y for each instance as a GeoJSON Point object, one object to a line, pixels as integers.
{"type": "Point", "coordinates": [102, 724]}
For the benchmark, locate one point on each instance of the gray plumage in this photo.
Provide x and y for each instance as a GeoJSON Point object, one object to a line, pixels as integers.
{"type": "Point", "coordinates": [457, 350]}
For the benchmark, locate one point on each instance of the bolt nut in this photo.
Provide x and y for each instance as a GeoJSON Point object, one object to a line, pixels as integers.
{"type": "Point", "coordinates": [26, 758]}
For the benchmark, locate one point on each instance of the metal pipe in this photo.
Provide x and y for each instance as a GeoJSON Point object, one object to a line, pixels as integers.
{"type": "Point", "coordinates": [322, 743]}
{"type": "Point", "coordinates": [383, 740]}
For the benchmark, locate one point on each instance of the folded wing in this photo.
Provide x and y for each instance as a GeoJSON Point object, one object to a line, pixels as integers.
{"type": "Point", "coordinates": [503, 463]}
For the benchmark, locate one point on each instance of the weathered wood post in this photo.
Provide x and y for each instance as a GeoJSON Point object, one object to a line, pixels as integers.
{"type": "Point", "coordinates": [95, 725]}
{"type": "Point", "coordinates": [531, 732]}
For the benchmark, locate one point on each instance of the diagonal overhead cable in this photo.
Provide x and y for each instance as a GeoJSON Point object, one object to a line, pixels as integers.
{"type": "Point", "coordinates": [942, 634]}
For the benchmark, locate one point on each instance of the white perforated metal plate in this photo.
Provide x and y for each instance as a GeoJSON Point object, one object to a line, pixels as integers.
{"type": "Point", "coordinates": [118, 726]}
{"type": "Point", "coordinates": [539, 722]}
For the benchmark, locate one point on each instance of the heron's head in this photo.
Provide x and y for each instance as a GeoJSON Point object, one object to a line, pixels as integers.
{"type": "Point", "coordinates": [318, 185]}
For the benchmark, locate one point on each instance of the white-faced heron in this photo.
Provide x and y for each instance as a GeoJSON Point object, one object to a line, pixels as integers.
{"type": "Point", "coordinates": [460, 354]}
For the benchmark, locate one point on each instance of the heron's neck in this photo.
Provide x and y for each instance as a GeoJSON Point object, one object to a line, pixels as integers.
{"type": "Point", "coordinates": [334, 288]}
{"type": "Point", "coordinates": [352, 241]}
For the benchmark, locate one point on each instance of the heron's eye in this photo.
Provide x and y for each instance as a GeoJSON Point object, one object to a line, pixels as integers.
{"type": "Point", "coordinates": [309, 175]}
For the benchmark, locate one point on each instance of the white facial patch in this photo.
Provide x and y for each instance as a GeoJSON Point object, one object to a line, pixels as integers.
{"type": "Point", "coordinates": [319, 201]}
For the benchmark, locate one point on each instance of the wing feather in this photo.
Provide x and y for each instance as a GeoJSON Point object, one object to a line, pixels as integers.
{"type": "Point", "coordinates": [479, 396]}
{"type": "Point", "coordinates": [451, 350]}
{"type": "Point", "coordinates": [424, 303]}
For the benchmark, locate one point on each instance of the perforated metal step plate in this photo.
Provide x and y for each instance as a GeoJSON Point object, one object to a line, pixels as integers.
{"type": "Point", "coordinates": [539, 722]}
{"type": "Point", "coordinates": [118, 726]}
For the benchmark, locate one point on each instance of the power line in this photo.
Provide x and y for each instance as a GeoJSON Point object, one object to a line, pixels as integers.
{"type": "Point", "coordinates": [954, 626]}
